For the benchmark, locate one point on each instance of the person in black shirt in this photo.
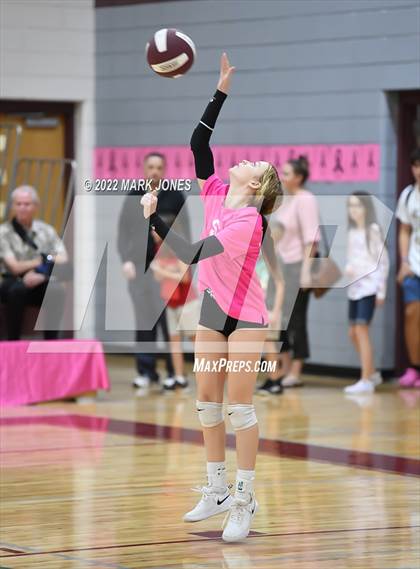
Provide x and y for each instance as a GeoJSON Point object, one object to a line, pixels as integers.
{"type": "Point", "coordinates": [143, 288]}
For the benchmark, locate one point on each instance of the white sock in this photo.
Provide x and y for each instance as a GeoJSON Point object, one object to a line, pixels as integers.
{"type": "Point", "coordinates": [244, 483]}
{"type": "Point", "coordinates": [216, 474]}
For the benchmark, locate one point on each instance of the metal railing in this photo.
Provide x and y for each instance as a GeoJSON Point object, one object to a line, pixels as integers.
{"type": "Point", "coordinates": [54, 180]}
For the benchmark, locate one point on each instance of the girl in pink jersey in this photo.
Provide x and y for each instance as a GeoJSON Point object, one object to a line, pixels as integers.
{"type": "Point", "coordinates": [234, 319]}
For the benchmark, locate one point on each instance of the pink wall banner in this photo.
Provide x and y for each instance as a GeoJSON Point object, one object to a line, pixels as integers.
{"type": "Point", "coordinates": [328, 163]}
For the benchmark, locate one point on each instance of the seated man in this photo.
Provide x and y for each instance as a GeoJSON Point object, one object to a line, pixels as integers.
{"type": "Point", "coordinates": [28, 249]}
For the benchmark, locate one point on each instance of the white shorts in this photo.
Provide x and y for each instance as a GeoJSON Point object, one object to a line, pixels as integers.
{"type": "Point", "coordinates": [183, 318]}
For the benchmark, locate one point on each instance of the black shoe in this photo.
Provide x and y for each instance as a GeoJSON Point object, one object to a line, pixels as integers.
{"type": "Point", "coordinates": [276, 387]}
{"type": "Point", "coordinates": [264, 389]}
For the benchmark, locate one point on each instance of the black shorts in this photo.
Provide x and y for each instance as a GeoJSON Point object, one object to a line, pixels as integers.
{"type": "Point", "coordinates": [213, 317]}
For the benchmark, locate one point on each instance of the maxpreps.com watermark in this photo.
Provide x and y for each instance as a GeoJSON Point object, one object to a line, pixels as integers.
{"type": "Point", "coordinates": [134, 184]}
{"type": "Point", "coordinates": [235, 366]}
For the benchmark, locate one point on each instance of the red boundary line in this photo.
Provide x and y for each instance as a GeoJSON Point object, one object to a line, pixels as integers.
{"type": "Point", "coordinates": [352, 458]}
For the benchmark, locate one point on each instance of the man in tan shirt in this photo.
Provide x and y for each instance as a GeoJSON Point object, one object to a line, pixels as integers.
{"type": "Point", "coordinates": [28, 248]}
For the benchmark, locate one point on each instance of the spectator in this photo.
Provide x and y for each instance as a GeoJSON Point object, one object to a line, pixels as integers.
{"type": "Point", "coordinates": [29, 248]}
{"type": "Point", "coordinates": [272, 283]}
{"type": "Point", "coordinates": [408, 213]}
{"type": "Point", "coordinates": [142, 285]}
{"type": "Point", "coordinates": [368, 268]}
{"type": "Point", "coordinates": [299, 220]}
{"type": "Point", "coordinates": [183, 307]}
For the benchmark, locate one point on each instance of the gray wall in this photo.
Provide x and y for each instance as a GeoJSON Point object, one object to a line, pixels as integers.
{"type": "Point", "coordinates": [312, 71]}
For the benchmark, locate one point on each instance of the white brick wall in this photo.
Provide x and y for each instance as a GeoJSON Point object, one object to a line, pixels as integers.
{"type": "Point", "coordinates": [47, 53]}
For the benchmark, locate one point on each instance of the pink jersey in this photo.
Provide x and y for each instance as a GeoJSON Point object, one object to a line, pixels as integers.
{"type": "Point", "coordinates": [231, 275]}
{"type": "Point", "coordinates": [299, 218]}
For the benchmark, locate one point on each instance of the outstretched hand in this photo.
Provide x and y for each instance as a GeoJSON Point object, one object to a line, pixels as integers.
{"type": "Point", "coordinates": [226, 71]}
{"type": "Point", "coordinates": [149, 203]}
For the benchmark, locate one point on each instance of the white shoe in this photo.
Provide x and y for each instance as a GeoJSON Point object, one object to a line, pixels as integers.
{"type": "Point", "coordinates": [182, 381]}
{"type": "Point", "coordinates": [290, 381]}
{"type": "Point", "coordinates": [141, 381]}
{"type": "Point", "coordinates": [239, 519]}
{"type": "Point", "coordinates": [376, 378]}
{"type": "Point", "coordinates": [362, 386]}
{"type": "Point", "coordinates": [169, 384]}
{"type": "Point", "coordinates": [213, 501]}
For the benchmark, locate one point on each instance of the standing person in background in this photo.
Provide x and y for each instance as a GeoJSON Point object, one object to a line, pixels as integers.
{"type": "Point", "coordinates": [408, 213]}
{"type": "Point", "coordinates": [183, 306]}
{"type": "Point", "coordinates": [299, 219]}
{"type": "Point", "coordinates": [272, 282]}
{"type": "Point", "coordinates": [368, 268]}
{"type": "Point", "coordinates": [143, 288]}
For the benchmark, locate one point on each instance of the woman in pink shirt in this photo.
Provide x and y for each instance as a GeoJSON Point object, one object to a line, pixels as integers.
{"type": "Point", "coordinates": [299, 221]}
{"type": "Point", "coordinates": [234, 319]}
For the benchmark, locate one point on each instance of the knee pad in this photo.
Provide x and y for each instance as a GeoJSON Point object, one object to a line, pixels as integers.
{"type": "Point", "coordinates": [210, 414]}
{"type": "Point", "coordinates": [242, 416]}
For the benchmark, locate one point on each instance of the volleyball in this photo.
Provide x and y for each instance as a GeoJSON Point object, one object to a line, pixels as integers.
{"type": "Point", "coordinates": [170, 53]}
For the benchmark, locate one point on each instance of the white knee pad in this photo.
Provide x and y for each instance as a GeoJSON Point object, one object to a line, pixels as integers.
{"type": "Point", "coordinates": [210, 414]}
{"type": "Point", "coordinates": [242, 416]}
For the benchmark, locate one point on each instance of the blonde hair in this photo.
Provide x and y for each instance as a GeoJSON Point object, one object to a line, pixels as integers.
{"type": "Point", "coordinates": [270, 190]}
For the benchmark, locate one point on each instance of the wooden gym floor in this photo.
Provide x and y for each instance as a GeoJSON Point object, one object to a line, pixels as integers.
{"type": "Point", "coordinates": [105, 484]}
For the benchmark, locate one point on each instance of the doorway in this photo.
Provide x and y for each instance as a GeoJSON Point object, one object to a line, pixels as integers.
{"type": "Point", "coordinates": [408, 137]}
{"type": "Point", "coordinates": [35, 139]}
{"type": "Point", "coordinates": [37, 148]}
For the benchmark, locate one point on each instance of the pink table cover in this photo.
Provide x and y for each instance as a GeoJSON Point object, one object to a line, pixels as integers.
{"type": "Point", "coordinates": [31, 372]}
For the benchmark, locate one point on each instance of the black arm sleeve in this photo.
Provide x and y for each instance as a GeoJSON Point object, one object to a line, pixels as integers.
{"type": "Point", "coordinates": [203, 156]}
{"type": "Point", "coordinates": [189, 253]}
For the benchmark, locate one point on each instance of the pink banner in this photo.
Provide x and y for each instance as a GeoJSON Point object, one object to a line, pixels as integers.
{"type": "Point", "coordinates": [327, 163]}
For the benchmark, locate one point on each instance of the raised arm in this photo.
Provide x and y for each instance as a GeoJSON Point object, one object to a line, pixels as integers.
{"type": "Point", "coordinates": [200, 139]}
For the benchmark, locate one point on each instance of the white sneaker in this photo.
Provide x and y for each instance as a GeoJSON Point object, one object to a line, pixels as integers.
{"type": "Point", "coordinates": [141, 381]}
{"type": "Point", "coordinates": [169, 384]}
{"type": "Point", "coordinates": [290, 381]}
{"type": "Point", "coordinates": [376, 378]}
{"type": "Point", "coordinates": [238, 521]}
{"type": "Point", "coordinates": [362, 386]}
{"type": "Point", "coordinates": [182, 381]}
{"type": "Point", "coordinates": [213, 501]}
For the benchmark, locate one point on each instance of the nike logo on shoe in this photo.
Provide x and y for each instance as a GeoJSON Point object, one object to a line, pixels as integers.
{"type": "Point", "coordinates": [220, 502]}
